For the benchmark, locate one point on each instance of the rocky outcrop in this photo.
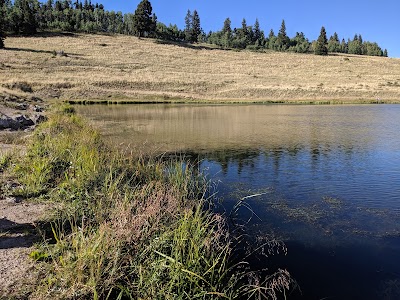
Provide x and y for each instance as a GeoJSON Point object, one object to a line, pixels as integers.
{"type": "Point", "coordinates": [15, 123]}
{"type": "Point", "coordinates": [7, 123]}
{"type": "Point", "coordinates": [20, 116]}
{"type": "Point", "coordinates": [20, 122]}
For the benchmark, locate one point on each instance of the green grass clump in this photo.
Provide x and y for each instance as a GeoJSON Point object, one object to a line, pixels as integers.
{"type": "Point", "coordinates": [62, 151]}
{"type": "Point", "coordinates": [128, 228]}
{"type": "Point", "coordinates": [5, 161]}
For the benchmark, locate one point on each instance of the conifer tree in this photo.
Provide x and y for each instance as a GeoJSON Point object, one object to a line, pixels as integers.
{"type": "Point", "coordinates": [24, 14]}
{"type": "Point", "coordinates": [320, 45]}
{"type": "Point", "coordinates": [299, 43]}
{"type": "Point", "coordinates": [362, 46]}
{"type": "Point", "coordinates": [227, 26]}
{"type": "Point", "coordinates": [192, 26]}
{"type": "Point", "coordinates": [333, 43]}
{"type": "Point", "coordinates": [196, 28]}
{"type": "Point", "coordinates": [58, 6]}
{"type": "Point", "coordinates": [142, 19]}
{"type": "Point", "coordinates": [154, 22]}
{"type": "Point", "coordinates": [355, 46]}
{"type": "Point", "coordinates": [226, 38]}
{"type": "Point", "coordinates": [50, 4]}
{"type": "Point", "coordinates": [271, 39]}
{"type": "Point", "coordinates": [271, 34]}
{"type": "Point", "coordinates": [343, 47]}
{"type": "Point", "coordinates": [283, 41]}
{"type": "Point", "coordinates": [360, 38]}
{"type": "Point", "coordinates": [2, 23]}
{"type": "Point", "coordinates": [244, 31]}
{"type": "Point", "coordinates": [188, 26]}
{"type": "Point", "coordinates": [385, 53]}
{"type": "Point", "coordinates": [257, 32]}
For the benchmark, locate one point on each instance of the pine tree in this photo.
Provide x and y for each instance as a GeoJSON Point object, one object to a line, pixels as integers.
{"type": "Point", "coordinates": [271, 34]}
{"type": "Point", "coordinates": [196, 28]}
{"type": "Point", "coordinates": [362, 46]}
{"type": "Point", "coordinates": [244, 31]}
{"type": "Point", "coordinates": [299, 43]}
{"type": "Point", "coordinates": [333, 43]}
{"type": "Point", "coordinates": [50, 4]}
{"type": "Point", "coordinates": [142, 19]}
{"type": "Point", "coordinates": [2, 23]}
{"type": "Point", "coordinates": [153, 26]}
{"type": "Point", "coordinates": [344, 47]}
{"type": "Point", "coordinates": [372, 49]}
{"type": "Point", "coordinates": [227, 26]}
{"type": "Point", "coordinates": [58, 6]}
{"type": "Point", "coordinates": [226, 39]}
{"type": "Point", "coordinates": [192, 26]}
{"type": "Point", "coordinates": [188, 26]}
{"type": "Point", "coordinates": [24, 14]}
{"type": "Point", "coordinates": [385, 53]}
{"type": "Point", "coordinates": [282, 43]}
{"type": "Point", "coordinates": [320, 45]}
{"type": "Point", "coordinates": [355, 46]}
{"type": "Point", "coordinates": [271, 39]}
{"type": "Point", "coordinates": [257, 32]}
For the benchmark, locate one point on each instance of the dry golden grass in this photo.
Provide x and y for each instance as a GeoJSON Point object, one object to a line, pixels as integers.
{"type": "Point", "coordinates": [123, 67]}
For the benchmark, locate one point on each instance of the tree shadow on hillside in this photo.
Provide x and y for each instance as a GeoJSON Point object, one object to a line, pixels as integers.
{"type": "Point", "coordinates": [38, 51]}
{"type": "Point", "coordinates": [46, 34]}
{"type": "Point", "coordinates": [188, 45]}
{"type": "Point", "coordinates": [28, 50]}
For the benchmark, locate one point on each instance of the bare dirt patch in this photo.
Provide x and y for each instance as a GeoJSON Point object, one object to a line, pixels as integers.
{"type": "Point", "coordinates": [17, 237]}
{"type": "Point", "coordinates": [18, 217]}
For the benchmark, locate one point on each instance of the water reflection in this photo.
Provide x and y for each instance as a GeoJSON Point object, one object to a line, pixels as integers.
{"type": "Point", "coordinates": [205, 128]}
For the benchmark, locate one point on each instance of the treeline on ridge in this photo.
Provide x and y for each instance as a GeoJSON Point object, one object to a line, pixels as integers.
{"type": "Point", "coordinates": [29, 16]}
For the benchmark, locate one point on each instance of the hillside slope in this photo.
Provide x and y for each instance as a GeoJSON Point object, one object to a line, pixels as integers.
{"type": "Point", "coordinates": [124, 67]}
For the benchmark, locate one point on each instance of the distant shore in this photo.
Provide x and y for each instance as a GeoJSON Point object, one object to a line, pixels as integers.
{"type": "Point", "coordinates": [180, 101]}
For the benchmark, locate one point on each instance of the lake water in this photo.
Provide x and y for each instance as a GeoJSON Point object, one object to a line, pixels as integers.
{"type": "Point", "coordinates": [328, 179]}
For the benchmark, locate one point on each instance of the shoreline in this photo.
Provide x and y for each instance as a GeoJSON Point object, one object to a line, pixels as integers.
{"type": "Point", "coordinates": [229, 102]}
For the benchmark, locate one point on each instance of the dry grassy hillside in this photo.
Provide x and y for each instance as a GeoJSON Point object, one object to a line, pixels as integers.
{"type": "Point", "coordinates": [124, 67]}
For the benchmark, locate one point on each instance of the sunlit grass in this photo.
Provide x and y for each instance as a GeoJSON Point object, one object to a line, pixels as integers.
{"type": "Point", "coordinates": [113, 68]}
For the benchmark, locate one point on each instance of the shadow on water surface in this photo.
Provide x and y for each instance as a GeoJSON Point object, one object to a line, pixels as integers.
{"type": "Point", "coordinates": [342, 273]}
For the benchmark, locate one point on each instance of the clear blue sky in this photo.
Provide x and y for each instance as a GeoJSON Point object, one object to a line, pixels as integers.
{"type": "Point", "coordinates": [377, 21]}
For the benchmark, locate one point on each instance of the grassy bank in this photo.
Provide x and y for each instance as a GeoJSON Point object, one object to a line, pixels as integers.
{"type": "Point", "coordinates": [128, 227]}
{"type": "Point", "coordinates": [123, 68]}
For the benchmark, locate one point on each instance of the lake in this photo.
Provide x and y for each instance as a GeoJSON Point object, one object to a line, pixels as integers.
{"type": "Point", "coordinates": [327, 180]}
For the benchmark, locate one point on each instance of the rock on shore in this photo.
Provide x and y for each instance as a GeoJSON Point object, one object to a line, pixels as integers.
{"type": "Point", "coordinates": [13, 119]}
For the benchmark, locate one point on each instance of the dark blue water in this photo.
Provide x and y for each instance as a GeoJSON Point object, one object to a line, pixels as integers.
{"type": "Point", "coordinates": [327, 180]}
{"type": "Point", "coordinates": [343, 241]}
